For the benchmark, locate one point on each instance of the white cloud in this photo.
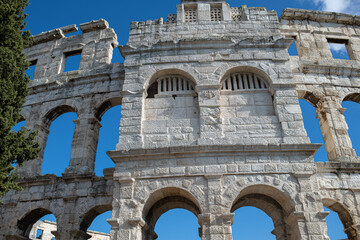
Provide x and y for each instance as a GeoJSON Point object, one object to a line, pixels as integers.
{"type": "Point", "coordinates": [344, 6]}
{"type": "Point", "coordinates": [337, 47]}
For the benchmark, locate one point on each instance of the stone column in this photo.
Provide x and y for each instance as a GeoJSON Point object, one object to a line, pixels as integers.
{"type": "Point", "coordinates": [204, 230]}
{"type": "Point", "coordinates": [126, 226]}
{"type": "Point", "coordinates": [84, 145]}
{"type": "Point", "coordinates": [311, 219]}
{"type": "Point", "coordinates": [32, 168]}
{"type": "Point", "coordinates": [217, 224]}
{"type": "Point", "coordinates": [210, 114]}
{"type": "Point", "coordinates": [334, 130]}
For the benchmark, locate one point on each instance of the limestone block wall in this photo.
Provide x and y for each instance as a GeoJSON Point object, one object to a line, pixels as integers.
{"type": "Point", "coordinates": [171, 120]}
{"type": "Point", "coordinates": [249, 114]}
{"type": "Point", "coordinates": [233, 137]}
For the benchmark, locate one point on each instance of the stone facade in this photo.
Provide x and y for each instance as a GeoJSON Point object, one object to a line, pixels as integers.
{"type": "Point", "coordinates": [210, 123]}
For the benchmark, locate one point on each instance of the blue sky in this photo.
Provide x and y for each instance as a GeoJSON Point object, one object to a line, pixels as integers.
{"type": "Point", "coordinates": [45, 15]}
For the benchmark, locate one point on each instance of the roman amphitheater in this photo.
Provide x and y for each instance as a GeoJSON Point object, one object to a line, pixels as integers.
{"type": "Point", "coordinates": [210, 123]}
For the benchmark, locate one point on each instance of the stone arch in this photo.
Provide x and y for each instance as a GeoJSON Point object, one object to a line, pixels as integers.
{"type": "Point", "coordinates": [26, 223]}
{"type": "Point", "coordinates": [350, 94]}
{"type": "Point", "coordinates": [263, 70]}
{"type": "Point", "coordinates": [152, 74]}
{"type": "Point", "coordinates": [172, 97]}
{"type": "Point", "coordinates": [165, 199]}
{"type": "Point", "coordinates": [176, 79]}
{"type": "Point", "coordinates": [275, 203]}
{"type": "Point", "coordinates": [89, 216]}
{"type": "Point", "coordinates": [287, 190]}
{"type": "Point", "coordinates": [247, 69]}
{"type": "Point", "coordinates": [309, 96]}
{"type": "Point", "coordinates": [54, 113]}
{"type": "Point", "coordinates": [106, 105]}
{"type": "Point", "coordinates": [345, 217]}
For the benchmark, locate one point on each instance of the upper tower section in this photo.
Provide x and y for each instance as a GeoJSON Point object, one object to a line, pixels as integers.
{"type": "Point", "coordinates": [211, 22]}
{"type": "Point", "coordinates": [209, 75]}
{"type": "Point", "coordinates": [199, 11]}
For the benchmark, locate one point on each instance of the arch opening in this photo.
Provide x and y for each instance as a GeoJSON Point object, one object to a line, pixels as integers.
{"type": "Point", "coordinates": [163, 201]}
{"type": "Point", "coordinates": [248, 221]}
{"type": "Point", "coordinates": [38, 222]}
{"type": "Point", "coordinates": [313, 128]}
{"type": "Point", "coordinates": [57, 151]}
{"type": "Point", "coordinates": [275, 204]}
{"type": "Point", "coordinates": [109, 115]}
{"type": "Point", "coordinates": [339, 212]}
{"type": "Point", "coordinates": [94, 222]}
{"type": "Point", "coordinates": [168, 225]}
{"type": "Point", "coordinates": [57, 112]}
{"type": "Point", "coordinates": [352, 105]}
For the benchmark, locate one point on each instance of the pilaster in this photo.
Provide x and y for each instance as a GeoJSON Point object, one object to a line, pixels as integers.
{"type": "Point", "coordinates": [335, 130]}
{"type": "Point", "coordinates": [84, 145]}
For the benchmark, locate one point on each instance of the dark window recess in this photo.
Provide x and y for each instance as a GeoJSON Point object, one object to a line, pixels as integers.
{"type": "Point", "coordinates": [72, 60]}
{"type": "Point", "coordinates": [340, 48]}
{"type": "Point", "coordinates": [153, 90]}
{"type": "Point", "coordinates": [31, 70]}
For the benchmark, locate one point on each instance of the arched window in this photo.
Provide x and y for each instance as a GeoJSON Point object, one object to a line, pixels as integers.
{"type": "Point", "coordinates": [170, 85]}
{"type": "Point", "coordinates": [171, 112]}
{"type": "Point", "coordinates": [242, 81]}
{"type": "Point", "coordinates": [245, 99]}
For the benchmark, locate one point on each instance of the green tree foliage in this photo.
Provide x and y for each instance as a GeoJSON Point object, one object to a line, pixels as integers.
{"type": "Point", "coordinates": [15, 147]}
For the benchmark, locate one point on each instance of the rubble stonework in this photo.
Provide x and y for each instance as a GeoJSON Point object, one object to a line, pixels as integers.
{"type": "Point", "coordinates": [210, 123]}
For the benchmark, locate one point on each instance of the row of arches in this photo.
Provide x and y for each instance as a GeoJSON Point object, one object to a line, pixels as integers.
{"type": "Point", "coordinates": [177, 206]}
{"type": "Point", "coordinates": [41, 223]}
{"type": "Point", "coordinates": [61, 130]}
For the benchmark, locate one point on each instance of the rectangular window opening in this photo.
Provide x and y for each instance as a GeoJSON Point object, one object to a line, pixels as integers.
{"type": "Point", "coordinates": [293, 49]}
{"type": "Point", "coordinates": [72, 61]}
{"type": "Point", "coordinates": [340, 48]}
{"type": "Point", "coordinates": [216, 12]}
{"type": "Point", "coordinates": [39, 234]}
{"type": "Point", "coordinates": [31, 70]}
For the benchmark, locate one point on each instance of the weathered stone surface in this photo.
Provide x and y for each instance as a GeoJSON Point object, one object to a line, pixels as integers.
{"type": "Point", "coordinates": [210, 123]}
